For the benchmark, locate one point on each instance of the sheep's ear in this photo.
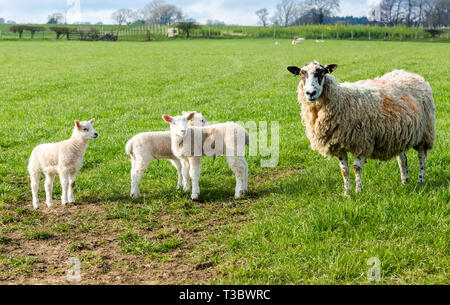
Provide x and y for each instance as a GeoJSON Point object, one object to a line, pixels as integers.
{"type": "Point", "coordinates": [77, 123]}
{"type": "Point", "coordinates": [331, 68]}
{"type": "Point", "coordinates": [190, 116]}
{"type": "Point", "coordinates": [92, 121]}
{"type": "Point", "coordinates": [294, 70]}
{"type": "Point", "coordinates": [187, 112]}
{"type": "Point", "coordinates": [167, 118]}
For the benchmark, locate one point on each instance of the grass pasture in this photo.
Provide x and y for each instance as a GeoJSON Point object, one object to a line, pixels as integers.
{"type": "Point", "coordinates": [295, 227]}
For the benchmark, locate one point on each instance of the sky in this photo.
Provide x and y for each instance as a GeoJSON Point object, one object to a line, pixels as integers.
{"type": "Point", "coordinates": [230, 11]}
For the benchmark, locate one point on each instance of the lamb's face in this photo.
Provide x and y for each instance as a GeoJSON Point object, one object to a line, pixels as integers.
{"type": "Point", "coordinates": [86, 129]}
{"type": "Point", "coordinates": [313, 78]}
{"type": "Point", "coordinates": [198, 120]}
{"type": "Point", "coordinates": [179, 124]}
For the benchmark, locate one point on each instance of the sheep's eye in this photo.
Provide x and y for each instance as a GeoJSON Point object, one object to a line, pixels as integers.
{"type": "Point", "coordinates": [86, 129]}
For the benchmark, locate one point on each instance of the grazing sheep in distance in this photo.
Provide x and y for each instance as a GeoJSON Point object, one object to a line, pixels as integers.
{"type": "Point", "coordinates": [144, 147]}
{"type": "Point", "coordinates": [189, 144]}
{"type": "Point", "coordinates": [64, 158]}
{"type": "Point", "coordinates": [376, 119]}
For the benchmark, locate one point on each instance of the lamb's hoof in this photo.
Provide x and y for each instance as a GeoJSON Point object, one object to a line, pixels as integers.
{"type": "Point", "coordinates": [49, 204]}
{"type": "Point", "coordinates": [36, 206]}
{"type": "Point", "coordinates": [187, 190]}
{"type": "Point", "coordinates": [240, 194]}
{"type": "Point", "coordinates": [194, 196]}
{"type": "Point", "coordinates": [421, 182]}
{"type": "Point", "coordinates": [135, 195]}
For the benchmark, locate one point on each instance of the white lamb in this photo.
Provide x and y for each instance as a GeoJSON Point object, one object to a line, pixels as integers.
{"type": "Point", "coordinates": [189, 144]}
{"type": "Point", "coordinates": [64, 158]}
{"type": "Point", "coordinates": [144, 147]}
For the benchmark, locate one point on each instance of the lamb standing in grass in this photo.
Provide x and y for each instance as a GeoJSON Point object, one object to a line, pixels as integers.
{"type": "Point", "coordinates": [189, 144]}
{"type": "Point", "coordinates": [144, 147]}
{"type": "Point", "coordinates": [377, 119]}
{"type": "Point", "coordinates": [64, 158]}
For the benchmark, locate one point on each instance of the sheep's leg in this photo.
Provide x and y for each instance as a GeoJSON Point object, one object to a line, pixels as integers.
{"type": "Point", "coordinates": [49, 178]}
{"type": "Point", "coordinates": [71, 186]}
{"type": "Point", "coordinates": [177, 164]}
{"type": "Point", "coordinates": [34, 183]}
{"type": "Point", "coordinates": [138, 167]}
{"type": "Point", "coordinates": [357, 168]}
{"type": "Point", "coordinates": [64, 177]}
{"type": "Point", "coordinates": [403, 164]}
{"type": "Point", "coordinates": [239, 167]}
{"type": "Point", "coordinates": [195, 168]}
{"type": "Point", "coordinates": [185, 168]}
{"type": "Point", "coordinates": [422, 163]}
{"type": "Point", "coordinates": [343, 163]}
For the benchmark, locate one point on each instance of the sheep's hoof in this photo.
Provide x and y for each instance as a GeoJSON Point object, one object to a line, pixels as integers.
{"type": "Point", "coordinates": [49, 204]}
{"type": "Point", "coordinates": [135, 195]}
{"type": "Point", "coordinates": [35, 205]}
{"type": "Point", "coordinates": [194, 196]}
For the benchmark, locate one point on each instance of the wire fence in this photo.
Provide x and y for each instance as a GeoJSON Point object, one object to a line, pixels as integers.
{"type": "Point", "coordinates": [151, 32]}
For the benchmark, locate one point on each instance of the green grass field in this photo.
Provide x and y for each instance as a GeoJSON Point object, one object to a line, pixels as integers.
{"type": "Point", "coordinates": [295, 227]}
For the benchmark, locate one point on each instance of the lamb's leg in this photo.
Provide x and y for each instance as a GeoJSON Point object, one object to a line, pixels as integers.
{"type": "Point", "coordinates": [239, 167]}
{"type": "Point", "coordinates": [357, 168]}
{"type": "Point", "coordinates": [49, 178]}
{"type": "Point", "coordinates": [422, 163]}
{"type": "Point", "coordinates": [343, 163]}
{"type": "Point", "coordinates": [34, 183]}
{"type": "Point", "coordinates": [177, 164]}
{"type": "Point", "coordinates": [195, 168]}
{"type": "Point", "coordinates": [138, 166]}
{"type": "Point", "coordinates": [185, 168]}
{"type": "Point", "coordinates": [64, 177]}
{"type": "Point", "coordinates": [71, 186]}
{"type": "Point", "coordinates": [403, 164]}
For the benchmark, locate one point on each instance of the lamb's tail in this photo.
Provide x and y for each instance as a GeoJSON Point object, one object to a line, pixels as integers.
{"type": "Point", "coordinates": [129, 149]}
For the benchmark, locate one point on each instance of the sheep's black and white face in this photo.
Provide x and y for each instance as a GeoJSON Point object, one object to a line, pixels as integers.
{"type": "Point", "coordinates": [313, 78]}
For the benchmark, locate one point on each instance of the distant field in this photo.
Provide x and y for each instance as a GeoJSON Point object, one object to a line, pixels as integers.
{"type": "Point", "coordinates": [295, 227]}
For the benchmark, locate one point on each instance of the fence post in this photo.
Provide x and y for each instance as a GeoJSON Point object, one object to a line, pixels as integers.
{"type": "Point", "coordinates": [352, 35]}
{"type": "Point", "coordinates": [369, 35]}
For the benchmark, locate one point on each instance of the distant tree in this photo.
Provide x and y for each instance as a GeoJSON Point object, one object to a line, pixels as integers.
{"type": "Point", "coordinates": [285, 12]}
{"type": "Point", "coordinates": [34, 29]}
{"type": "Point", "coordinates": [99, 23]}
{"type": "Point", "coordinates": [10, 22]}
{"type": "Point", "coordinates": [165, 14]}
{"type": "Point", "coordinates": [320, 9]}
{"type": "Point", "coordinates": [62, 30]}
{"type": "Point", "coordinates": [123, 16]}
{"type": "Point", "coordinates": [18, 29]}
{"type": "Point", "coordinates": [262, 15]}
{"type": "Point", "coordinates": [2, 20]}
{"type": "Point", "coordinates": [187, 26]}
{"type": "Point", "coordinates": [55, 18]}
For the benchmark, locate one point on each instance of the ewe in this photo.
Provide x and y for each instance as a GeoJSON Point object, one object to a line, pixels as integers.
{"type": "Point", "coordinates": [189, 144]}
{"type": "Point", "coordinates": [376, 119]}
{"type": "Point", "coordinates": [64, 158]}
{"type": "Point", "coordinates": [144, 147]}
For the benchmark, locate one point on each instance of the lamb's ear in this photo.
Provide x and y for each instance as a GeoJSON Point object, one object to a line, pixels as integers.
{"type": "Point", "coordinates": [331, 68]}
{"type": "Point", "coordinates": [187, 112]}
{"type": "Point", "coordinates": [190, 116]}
{"type": "Point", "coordinates": [92, 121]}
{"type": "Point", "coordinates": [167, 118]}
{"type": "Point", "coordinates": [77, 123]}
{"type": "Point", "coordinates": [294, 70]}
